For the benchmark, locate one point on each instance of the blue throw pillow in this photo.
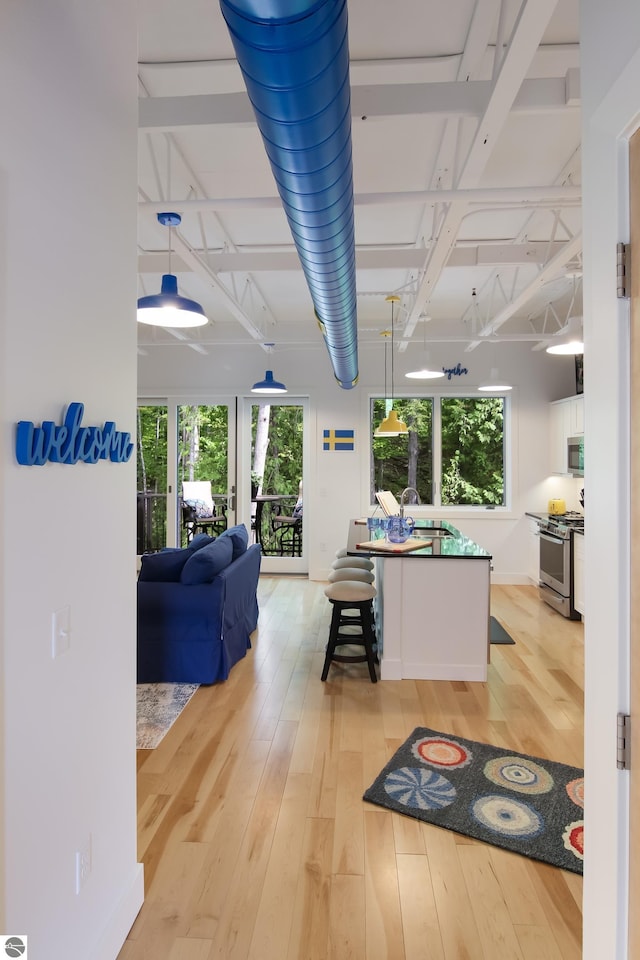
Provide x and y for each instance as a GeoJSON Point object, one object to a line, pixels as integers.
{"type": "Point", "coordinates": [239, 537]}
{"type": "Point", "coordinates": [206, 563]}
{"type": "Point", "coordinates": [164, 567]}
{"type": "Point", "coordinates": [200, 540]}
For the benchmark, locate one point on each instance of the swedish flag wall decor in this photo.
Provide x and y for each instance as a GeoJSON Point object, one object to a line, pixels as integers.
{"type": "Point", "coordinates": [338, 439]}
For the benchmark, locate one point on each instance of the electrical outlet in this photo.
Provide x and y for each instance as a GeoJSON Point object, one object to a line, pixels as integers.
{"type": "Point", "coordinates": [60, 632]}
{"type": "Point", "coordinates": [83, 864]}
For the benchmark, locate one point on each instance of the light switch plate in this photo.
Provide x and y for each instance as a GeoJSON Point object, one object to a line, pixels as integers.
{"type": "Point", "coordinates": [60, 632]}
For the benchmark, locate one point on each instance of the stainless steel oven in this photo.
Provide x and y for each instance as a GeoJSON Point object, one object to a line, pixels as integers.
{"type": "Point", "coordinates": [556, 565]}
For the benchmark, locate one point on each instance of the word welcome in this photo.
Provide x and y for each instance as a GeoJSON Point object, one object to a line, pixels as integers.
{"type": "Point", "coordinates": [70, 442]}
{"type": "Point", "coordinates": [456, 371]}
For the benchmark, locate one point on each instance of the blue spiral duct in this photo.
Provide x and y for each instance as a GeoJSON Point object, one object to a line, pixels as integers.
{"type": "Point", "coordinates": [294, 57]}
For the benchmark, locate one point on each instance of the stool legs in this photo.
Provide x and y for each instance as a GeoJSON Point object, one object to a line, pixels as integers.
{"type": "Point", "coordinates": [366, 638]}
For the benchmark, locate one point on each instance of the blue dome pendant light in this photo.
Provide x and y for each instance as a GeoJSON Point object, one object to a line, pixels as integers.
{"type": "Point", "coordinates": [268, 385]}
{"type": "Point", "coordinates": [168, 308]}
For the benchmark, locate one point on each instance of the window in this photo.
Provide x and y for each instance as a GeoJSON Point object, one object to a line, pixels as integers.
{"type": "Point", "coordinates": [453, 452]}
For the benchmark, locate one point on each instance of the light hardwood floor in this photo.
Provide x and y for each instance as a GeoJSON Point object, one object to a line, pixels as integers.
{"type": "Point", "coordinates": [254, 835]}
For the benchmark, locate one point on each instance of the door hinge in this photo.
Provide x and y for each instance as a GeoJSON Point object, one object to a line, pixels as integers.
{"type": "Point", "coordinates": [623, 259]}
{"type": "Point", "coordinates": [623, 750]}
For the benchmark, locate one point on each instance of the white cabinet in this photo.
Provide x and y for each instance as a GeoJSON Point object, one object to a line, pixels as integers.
{"type": "Point", "coordinates": [566, 419]}
{"type": "Point", "coordinates": [533, 547]}
{"type": "Point", "coordinates": [576, 415]}
{"type": "Point", "coordinates": [558, 433]}
{"type": "Point", "coordinates": [578, 572]}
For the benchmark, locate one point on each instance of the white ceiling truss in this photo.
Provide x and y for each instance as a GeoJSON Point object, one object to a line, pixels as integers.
{"type": "Point", "coordinates": [466, 153]}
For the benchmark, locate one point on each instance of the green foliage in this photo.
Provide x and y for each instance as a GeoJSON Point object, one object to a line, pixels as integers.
{"type": "Point", "coordinates": [152, 450]}
{"type": "Point", "coordinates": [202, 445]}
{"type": "Point", "coordinates": [283, 465]}
{"type": "Point", "coordinates": [472, 450]}
{"type": "Point", "coordinates": [407, 460]}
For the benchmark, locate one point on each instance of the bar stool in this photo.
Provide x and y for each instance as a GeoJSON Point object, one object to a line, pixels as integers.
{"type": "Point", "coordinates": [345, 595]}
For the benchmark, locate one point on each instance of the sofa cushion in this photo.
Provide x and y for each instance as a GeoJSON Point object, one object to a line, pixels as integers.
{"type": "Point", "coordinates": [164, 567]}
{"type": "Point", "coordinates": [239, 537]}
{"type": "Point", "coordinates": [206, 563]}
{"type": "Point", "coordinates": [200, 540]}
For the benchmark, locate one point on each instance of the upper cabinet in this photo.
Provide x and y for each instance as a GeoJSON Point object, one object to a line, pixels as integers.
{"type": "Point", "coordinates": [566, 420]}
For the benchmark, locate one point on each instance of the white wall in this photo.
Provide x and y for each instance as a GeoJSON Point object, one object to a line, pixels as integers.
{"type": "Point", "coordinates": [67, 726]}
{"type": "Point", "coordinates": [338, 486]}
{"type": "Point", "coordinates": [611, 106]}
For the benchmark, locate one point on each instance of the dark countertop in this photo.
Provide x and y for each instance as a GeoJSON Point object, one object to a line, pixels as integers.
{"type": "Point", "coordinates": [452, 544]}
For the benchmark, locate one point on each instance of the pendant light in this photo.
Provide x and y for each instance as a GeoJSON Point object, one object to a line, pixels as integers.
{"type": "Point", "coordinates": [495, 384]}
{"type": "Point", "coordinates": [391, 426]}
{"type": "Point", "coordinates": [571, 341]}
{"type": "Point", "coordinates": [268, 385]}
{"type": "Point", "coordinates": [168, 308]}
{"type": "Point", "coordinates": [426, 373]}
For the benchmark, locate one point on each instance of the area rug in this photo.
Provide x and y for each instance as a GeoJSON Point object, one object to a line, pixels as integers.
{"type": "Point", "coordinates": [158, 707]}
{"type": "Point", "coordinates": [497, 633]}
{"type": "Point", "coordinates": [530, 806]}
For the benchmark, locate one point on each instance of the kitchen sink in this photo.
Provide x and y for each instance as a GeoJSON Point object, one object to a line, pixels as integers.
{"type": "Point", "coordinates": [424, 534]}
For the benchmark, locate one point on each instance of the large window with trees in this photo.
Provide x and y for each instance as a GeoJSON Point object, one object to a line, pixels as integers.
{"type": "Point", "coordinates": [453, 453]}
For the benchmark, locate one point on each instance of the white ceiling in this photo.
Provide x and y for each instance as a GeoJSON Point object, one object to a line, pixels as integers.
{"type": "Point", "coordinates": [466, 161]}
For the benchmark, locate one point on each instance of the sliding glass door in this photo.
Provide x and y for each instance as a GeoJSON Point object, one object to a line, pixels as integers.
{"type": "Point", "coordinates": [204, 465]}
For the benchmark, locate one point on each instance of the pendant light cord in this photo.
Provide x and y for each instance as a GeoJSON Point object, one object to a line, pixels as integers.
{"type": "Point", "coordinates": [392, 396]}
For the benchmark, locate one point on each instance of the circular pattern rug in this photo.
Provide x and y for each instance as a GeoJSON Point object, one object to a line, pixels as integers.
{"type": "Point", "coordinates": [525, 804]}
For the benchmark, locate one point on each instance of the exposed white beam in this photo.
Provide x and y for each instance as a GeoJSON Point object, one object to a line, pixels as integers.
{"type": "Point", "coordinates": [260, 261]}
{"type": "Point", "coordinates": [532, 21]}
{"type": "Point", "coordinates": [195, 263]}
{"type": "Point", "coordinates": [551, 270]}
{"type": "Point", "coordinates": [452, 98]}
{"type": "Point", "coordinates": [556, 196]}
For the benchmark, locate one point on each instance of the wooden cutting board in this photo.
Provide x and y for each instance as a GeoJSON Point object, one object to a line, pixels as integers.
{"type": "Point", "coordinates": [413, 543]}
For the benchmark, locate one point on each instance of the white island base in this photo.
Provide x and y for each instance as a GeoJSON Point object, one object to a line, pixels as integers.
{"type": "Point", "coordinates": [435, 617]}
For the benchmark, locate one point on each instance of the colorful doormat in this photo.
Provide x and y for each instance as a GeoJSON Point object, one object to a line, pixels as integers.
{"type": "Point", "coordinates": [497, 633]}
{"type": "Point", "coordinates": [511, 800]}
{"type": "Point", "coordinates": [158, 707]}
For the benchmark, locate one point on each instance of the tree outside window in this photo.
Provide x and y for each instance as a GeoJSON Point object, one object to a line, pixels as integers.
{"type": "Point", "coordinates": [468, 433]}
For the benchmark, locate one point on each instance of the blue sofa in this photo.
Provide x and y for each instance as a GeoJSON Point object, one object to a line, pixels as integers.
{"type": "Point", "coordinates": [197, 608]}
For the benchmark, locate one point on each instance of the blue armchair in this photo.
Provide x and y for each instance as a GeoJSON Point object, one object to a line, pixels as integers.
{"type": "Point", "coordinates": [191, 631]}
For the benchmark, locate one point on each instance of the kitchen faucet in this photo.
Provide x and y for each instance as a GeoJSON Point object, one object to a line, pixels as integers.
{"type": "Point", "coordinates": [408, 490]}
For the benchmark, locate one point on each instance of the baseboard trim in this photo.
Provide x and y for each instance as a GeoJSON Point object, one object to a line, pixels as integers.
{"type": "Point", "coordinates": [516, 579]}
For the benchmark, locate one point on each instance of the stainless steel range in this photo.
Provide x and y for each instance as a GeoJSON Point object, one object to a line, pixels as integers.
{"type": "Point", "coordinates": [556, 561]}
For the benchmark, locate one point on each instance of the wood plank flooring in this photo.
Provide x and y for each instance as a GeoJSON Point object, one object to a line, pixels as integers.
{"type": "Point", "coordinates": [255, 839]}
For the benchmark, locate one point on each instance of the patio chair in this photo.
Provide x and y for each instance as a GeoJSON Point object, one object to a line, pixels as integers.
{"type": "Point", "coordinates": [200, 513]}
{"type": "Point", "coordinates": [288, 529]}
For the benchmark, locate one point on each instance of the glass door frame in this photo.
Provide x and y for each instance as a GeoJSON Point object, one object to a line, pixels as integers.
{"type": "Point", "coordinates": [239, 465]}
{"type": "Point", "coordinates": [272, 564]}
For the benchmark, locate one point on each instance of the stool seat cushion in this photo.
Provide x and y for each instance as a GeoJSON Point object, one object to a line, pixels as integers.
{"type": "Point", "coordinates": [342, 552]}
{"type": "Point", "coordinates": [350, 590]}
{"type": "Point", "coordinates": [351, 573]}
{"type": "Point", "coordinates": [362, 562]}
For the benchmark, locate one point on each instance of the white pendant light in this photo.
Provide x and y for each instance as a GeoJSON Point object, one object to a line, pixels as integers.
{"type": "Point", "coordinates": [168, 308]}
{"type": "Point", "coordinates": [570, 341]}
{"type": "Point", "coordinates": [425, 373]}
{"type": "Point", "coordinates": [495, 384]}
{"type": "Point", "coordinates": [391, 426]}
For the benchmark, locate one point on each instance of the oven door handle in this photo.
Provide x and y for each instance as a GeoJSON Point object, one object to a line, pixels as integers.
{"type": "Point", "coordinates": [552, 539]}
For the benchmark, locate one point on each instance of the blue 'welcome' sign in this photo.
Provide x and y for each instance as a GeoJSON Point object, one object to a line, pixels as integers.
{"type": "Point", "coordinates": [70, 442]}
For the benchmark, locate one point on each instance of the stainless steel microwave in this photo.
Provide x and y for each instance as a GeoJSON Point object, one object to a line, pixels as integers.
{"type": "Point", "coordinates": [575, 456]}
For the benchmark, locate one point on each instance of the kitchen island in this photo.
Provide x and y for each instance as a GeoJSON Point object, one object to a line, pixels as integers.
{"type": "Point", "coordinates": [432, 607]}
